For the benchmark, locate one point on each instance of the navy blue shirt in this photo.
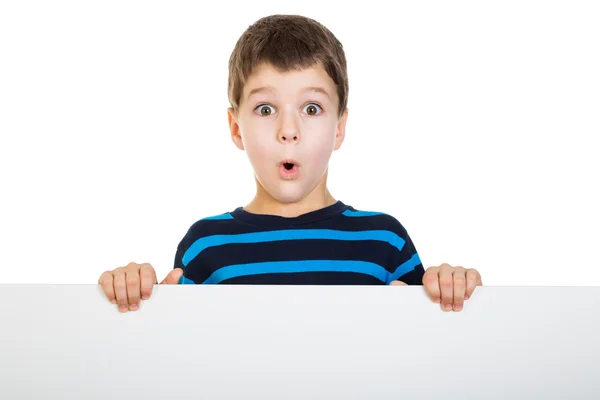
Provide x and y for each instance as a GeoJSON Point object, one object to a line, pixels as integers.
{"type": "Point", "coordinates": [335, 245]}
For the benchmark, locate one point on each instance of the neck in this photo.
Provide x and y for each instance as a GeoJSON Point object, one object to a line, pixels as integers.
{"type": "Point", "coordinates": [264, 203]}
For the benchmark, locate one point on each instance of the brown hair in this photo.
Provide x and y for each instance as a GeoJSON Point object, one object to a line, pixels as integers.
{"type": "Point", "coordinates": [287, 42]}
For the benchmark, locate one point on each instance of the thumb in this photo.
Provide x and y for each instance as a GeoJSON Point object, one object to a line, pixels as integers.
{"type": "Point", "coordinates": [173, 277]}
{"type": "Point", "coordinates": [398, 283]}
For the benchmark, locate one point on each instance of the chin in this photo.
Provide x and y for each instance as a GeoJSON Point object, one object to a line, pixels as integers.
{"type": "Point", "coordinates": [288, 196]}
{"type": "Point", "coordinates": [288, 192]}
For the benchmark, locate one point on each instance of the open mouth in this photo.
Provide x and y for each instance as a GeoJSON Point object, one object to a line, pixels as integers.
{"type": "Point", "coordinates": [289, 164]}
{"type": "Point", "coordinates": [288, 169]}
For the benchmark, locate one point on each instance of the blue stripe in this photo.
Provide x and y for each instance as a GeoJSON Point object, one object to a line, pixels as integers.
{"type": "Point", "coordinates": [218, 217]}
{"type": "Point", "coordinates": [185, 281]}
{"type": "Point", "coordinates": [351, 213]}
{"type": "Point", "coordinates": [363, 267]}
{"type": "Point", "coordinates": [298, 234]}
{"type": "Point", "coordinates": [406, 267]}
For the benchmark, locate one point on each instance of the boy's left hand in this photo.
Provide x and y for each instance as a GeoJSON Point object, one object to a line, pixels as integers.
{"type": "Point", "coordinates": [450, 286]}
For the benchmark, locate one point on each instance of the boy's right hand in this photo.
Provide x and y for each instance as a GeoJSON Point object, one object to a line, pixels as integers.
{"type": "Point", "coordinates": [125, 286]}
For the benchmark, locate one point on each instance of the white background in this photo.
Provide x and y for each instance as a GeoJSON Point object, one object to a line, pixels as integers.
{"type": "Point", "coordinates": [474, 123]}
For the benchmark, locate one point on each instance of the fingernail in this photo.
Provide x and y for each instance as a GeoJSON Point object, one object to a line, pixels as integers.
{"type": "Point", "coordinates": [457, 308]}
{"type": "Point", "coordinates": [114, 301]}
{"type": "Point", "coordinates": [438, 301]}
{"type": "Point", "coordinates": [145, 297]}
{"type": "Point", "coordinates": [447, 307]}
{"type": "Point", "coordinates": [133, 307]}
{"type": "Point", "coordinates": [123, 308]}
{"type": "Point", "coordinates": [466, 297]}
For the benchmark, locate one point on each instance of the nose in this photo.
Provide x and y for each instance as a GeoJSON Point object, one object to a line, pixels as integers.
{"type": "Point", "coordinates": [288, 130]}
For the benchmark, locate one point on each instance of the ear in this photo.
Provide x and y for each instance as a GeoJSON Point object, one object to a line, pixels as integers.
{"type": "Point", "coordinates": [234, 129]}
{"type": "Point", "coordinates": [340, 133]}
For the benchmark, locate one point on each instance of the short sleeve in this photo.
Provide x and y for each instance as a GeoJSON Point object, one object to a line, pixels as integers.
{"type": "Point", "coordinates": [178, 263]}
{"type": "Point", "coordinates": [408, 267]}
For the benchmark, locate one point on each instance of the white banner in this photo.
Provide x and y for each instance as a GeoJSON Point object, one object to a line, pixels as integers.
{"type": "Point", "coordinates": [277, 342]}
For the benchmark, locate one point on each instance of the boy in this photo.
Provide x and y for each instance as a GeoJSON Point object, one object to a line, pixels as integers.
{"type": "Point", "coordinates": [288, 89]}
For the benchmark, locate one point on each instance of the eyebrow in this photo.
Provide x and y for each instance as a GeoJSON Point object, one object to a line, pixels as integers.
{"type": "Point", "coordinates": [271, 89]}
{"type": "Point", "coordinates": [260, 90]}
{"type": "Point", "coordinates": [317, 89]}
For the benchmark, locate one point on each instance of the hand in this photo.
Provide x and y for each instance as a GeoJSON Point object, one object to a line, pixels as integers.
{"type": "Point", "coordinates": [450, 286]}
{"type": "Point", "coordinates": [126, 285]}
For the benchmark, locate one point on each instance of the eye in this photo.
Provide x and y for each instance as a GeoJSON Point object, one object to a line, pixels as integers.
{"type": "Point", "coordinates": [312, 109]}
{"type": "Point", "coordinates": [265, 110]}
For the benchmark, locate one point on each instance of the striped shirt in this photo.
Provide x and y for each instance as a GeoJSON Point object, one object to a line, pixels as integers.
{"type": "Point", "coordinates": [335, 245]}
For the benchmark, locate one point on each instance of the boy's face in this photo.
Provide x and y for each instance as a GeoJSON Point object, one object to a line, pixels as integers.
{"type": "Point", "coordinates": [288, 125]}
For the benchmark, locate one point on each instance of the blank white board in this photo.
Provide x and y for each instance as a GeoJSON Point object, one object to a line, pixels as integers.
{"type": "Point", "coordinates": [286, 342]}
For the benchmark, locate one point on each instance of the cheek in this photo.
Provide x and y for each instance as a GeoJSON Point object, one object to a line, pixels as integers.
{"type": "Point", "coordinates": [322, 141]}
{"type": "Point", "coordinates": [258, 147]}
{"type": "Point", "coordinates": [323, 152]}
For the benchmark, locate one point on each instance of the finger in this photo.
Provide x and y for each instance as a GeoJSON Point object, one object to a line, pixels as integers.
{"type": "Point", "coordinates": [120, 288]}
{"type": "Point", "coordinates": [431, 283]}
{"type": "Point", "coordinates": [132, 278]}
{"type": "Point", "coordinates": [173, 277]}
{"type": "Point", "coordinates": [473, 280]}
{"type": "Point", "coordinates": [459, 279]}
{"type": "Point", "coordinates": [147, 280]}
{"type": "Point", "coordinates": [398, 283]}
{"type": "Point", "coordinates": [446, 286]}
{"type": "Point", "coordinates": [106, 281]}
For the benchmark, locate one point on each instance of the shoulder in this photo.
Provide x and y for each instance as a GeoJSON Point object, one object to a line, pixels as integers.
{"type": "Point", "coordinates": [202, 230]}
{"type": "Point", "coordinates": [405, 264]}
{"type": "Point", "coordinates": [212, 220]}
{"type": "Point", "coordinates": [209, 225]}
{"type": "Point", "coordinates": [375, 220]}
